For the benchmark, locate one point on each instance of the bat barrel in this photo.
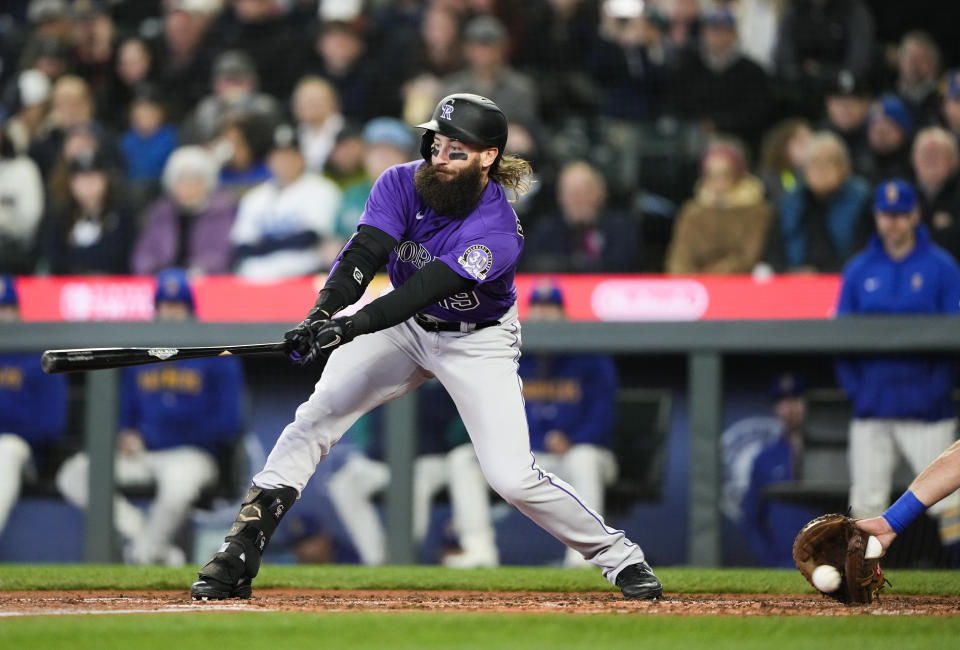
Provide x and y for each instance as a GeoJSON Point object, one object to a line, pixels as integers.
{"type": "Point", "coordinates": [58, 361]}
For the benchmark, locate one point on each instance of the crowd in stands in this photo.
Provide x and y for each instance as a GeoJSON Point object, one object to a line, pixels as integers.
{"type": "Point", "coordinates": [678, 136]}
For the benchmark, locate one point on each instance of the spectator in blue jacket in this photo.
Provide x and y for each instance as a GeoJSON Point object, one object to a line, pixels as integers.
{"type": "Point", "coordinates": [901, 404]}
{"type": "Point", "coordinates": [33, 411]}
{"type": "Point", "coordinates": [174, 420]}
{"type": "Point", "coordinates": [770, 525]}
{"type": "Point", "coordinates": [823, 220]}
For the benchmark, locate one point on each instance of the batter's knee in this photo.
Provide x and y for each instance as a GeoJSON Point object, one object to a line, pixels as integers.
{"type": "Point", "coordinates": [513, 487]}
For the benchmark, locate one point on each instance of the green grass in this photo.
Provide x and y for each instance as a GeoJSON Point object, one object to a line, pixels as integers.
{"type": "Point", "coordinates": [288, 631]}
{"type": "Point", "coordinates": [675, 580]}
{"type": "Point", "coordinates": [208, 629]}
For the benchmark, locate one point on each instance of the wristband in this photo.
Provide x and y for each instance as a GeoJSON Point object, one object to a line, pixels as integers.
{"type": "Point", "coordinates": [905, 510]}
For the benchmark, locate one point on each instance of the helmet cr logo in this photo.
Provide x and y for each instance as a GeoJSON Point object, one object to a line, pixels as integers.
{"type": "Point", "coordinates": [446, 111]}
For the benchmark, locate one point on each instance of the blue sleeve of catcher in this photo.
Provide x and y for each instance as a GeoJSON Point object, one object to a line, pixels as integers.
{"type": "Point", "coordinates": [906, 509]}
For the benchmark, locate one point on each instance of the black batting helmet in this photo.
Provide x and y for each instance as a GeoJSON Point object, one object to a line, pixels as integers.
{"type": "Point", "coordinates": [468, 118]}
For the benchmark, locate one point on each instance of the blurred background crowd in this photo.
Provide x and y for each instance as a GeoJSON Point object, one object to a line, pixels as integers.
{"type": "Point", "coordinates": [678, 136]}
{"type": "Point", "coordinates": [667, 136]}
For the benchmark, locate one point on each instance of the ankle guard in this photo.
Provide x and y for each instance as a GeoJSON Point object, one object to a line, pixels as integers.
{"type": "Point", "coordinates": [256, 522]}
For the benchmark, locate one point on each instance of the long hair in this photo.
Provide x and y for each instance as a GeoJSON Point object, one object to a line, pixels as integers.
{"type": "Point", "coordinates": [513, 173]}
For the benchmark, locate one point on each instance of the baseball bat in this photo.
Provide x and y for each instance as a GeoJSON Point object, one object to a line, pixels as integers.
{"type": "Point", "coordinates": [56, 361]}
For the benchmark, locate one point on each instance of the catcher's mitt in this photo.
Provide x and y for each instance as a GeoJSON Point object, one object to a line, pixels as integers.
{"type": "Point", "coordinates": [836, 541]}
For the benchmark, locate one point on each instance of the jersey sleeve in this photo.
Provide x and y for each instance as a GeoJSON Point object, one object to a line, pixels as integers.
{"type": "Point", "coordinates": [949, 297]}
{"type": "Point", "coordinates": [386, 207]}
{"type": "Point", "coordinates": [485, 257]}
{"type": "Point", "coordinates": [847, 300]}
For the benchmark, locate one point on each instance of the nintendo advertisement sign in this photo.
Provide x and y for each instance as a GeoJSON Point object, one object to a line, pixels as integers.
{"type": "Point", "coordinates": [613, 298]}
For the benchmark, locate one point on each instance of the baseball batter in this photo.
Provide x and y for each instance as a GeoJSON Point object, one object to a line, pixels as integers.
{"type": "Point", "coordinates": [451, 242]}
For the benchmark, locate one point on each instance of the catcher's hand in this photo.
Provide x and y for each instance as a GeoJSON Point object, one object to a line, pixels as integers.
{"type": "Point", "coordinates": [836, 541]}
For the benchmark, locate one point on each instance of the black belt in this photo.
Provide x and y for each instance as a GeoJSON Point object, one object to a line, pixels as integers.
{"type": "Point", "coordinates": [451, 326]}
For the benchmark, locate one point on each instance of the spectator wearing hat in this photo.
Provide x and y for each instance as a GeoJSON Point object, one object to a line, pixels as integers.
{"type": "Point", "coordinates": [918, 76]}
{"type": "Point", "coordinates": [890, 129]}
{"type": "Point", "coordinates": [901, 404]}
{"type": "Point", "coordinates": [33, 413]}
{"type": "Point", "coordinates": [189, 226]}
{"type": "Point", "coordinates": [823, 220]}
{"type": "Point", "coordinates": [387, 142]}
{"type": "Point", "coordinates": [936, 169]}
{"type": "Point", "coordinates": [285, 226]}
{"type": "Point", "coordinates": [769, 525]}
{"type": "Point", "coordinates": [570, 402]}
{"type": "Point", "coordinates": [176, 419]}
{"type": "Point", "coordinates": [316, 109]}
{"type": "Point", "coordinates": [846, 107]}
{"type": "Point", "coordinates": [488, 73]}
{"type": "Point", "coordinates": [21, 209]}
{"type": "Point", "coordinates": [235, 95]}
{"type": "Point", "coordinates": [49, 18]}
{"type": "Point", "coordinates": [584, 236]}
{"type": "Point", "coordinates": [93, 231]}
{"type": "Point", "coordinates": [722, 229]}
{"type": "Point", "coordinates": [718, 87]}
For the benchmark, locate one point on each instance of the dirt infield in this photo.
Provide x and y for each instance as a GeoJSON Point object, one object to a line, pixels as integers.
{"type": "Point", "coordinates": [27, 603]}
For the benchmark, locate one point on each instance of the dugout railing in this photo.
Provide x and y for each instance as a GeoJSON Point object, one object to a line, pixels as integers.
{"type": "Point", "coordinates": [703, 343]}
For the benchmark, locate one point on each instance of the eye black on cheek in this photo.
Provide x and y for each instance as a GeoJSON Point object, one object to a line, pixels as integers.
{"type": "Point", "coordinates": [458, 155]}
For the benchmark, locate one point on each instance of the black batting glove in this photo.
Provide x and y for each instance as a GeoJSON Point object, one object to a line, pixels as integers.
{"type": "Point", "coordinates": [312, 341]}
{"type": "Point", "coordinates": [300, 339]}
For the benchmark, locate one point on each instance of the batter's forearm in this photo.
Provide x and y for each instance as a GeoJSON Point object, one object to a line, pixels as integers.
{"type": "Point", "coordinates": [939, 478]}
{"type": "Point", "coordinates": [360, 259]}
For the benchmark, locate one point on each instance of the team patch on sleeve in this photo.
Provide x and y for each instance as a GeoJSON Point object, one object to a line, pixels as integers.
{"type": "Point", "coordinates": [477, 261]}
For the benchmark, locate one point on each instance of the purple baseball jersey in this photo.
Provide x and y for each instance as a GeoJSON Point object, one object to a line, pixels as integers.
{"type": "Point", "coordinates": [483, 246]}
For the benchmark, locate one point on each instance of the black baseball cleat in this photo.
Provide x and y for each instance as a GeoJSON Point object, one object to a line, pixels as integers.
{"type": "Point", "coordinates": [207, 588]}
{"type": "Point", "coordinates": [637, 581]}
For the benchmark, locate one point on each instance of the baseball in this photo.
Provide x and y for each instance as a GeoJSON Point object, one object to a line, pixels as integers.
{"type": "Point", "coordinates": [874, 549]}
{"type": "Point", "coordinates": [826, 578]}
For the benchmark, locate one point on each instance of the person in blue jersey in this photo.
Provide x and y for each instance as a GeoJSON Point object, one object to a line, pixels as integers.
{"type": "Point", "coordinates": [450, 239]}
{"type": "Point", "coordinates": [901, 403]}
{"type": "Point", "coordinates": [174, 419]}
{"type": "Point", "coordinates": [33, 411]}
{"type": "Point", "coordinates": [770, 525]}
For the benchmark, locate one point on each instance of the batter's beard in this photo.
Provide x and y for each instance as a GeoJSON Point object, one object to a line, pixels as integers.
{"type": "Point", "coordinates": [450, 196]}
